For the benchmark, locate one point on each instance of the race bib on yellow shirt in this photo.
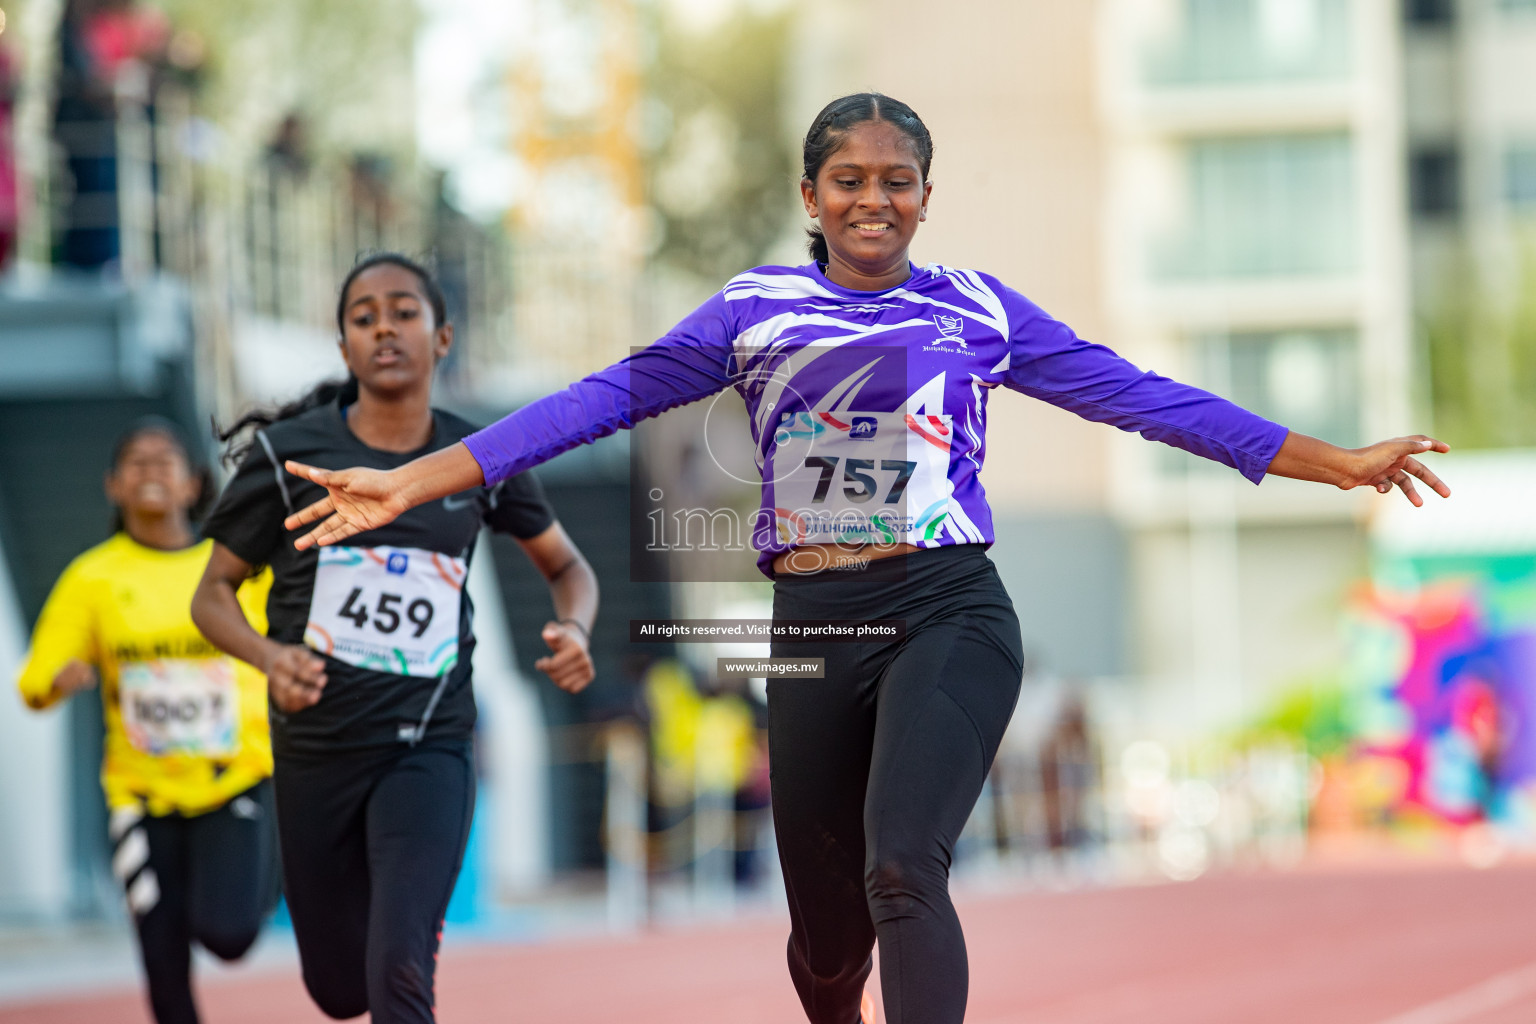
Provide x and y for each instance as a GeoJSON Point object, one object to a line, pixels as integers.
{"type": "Point", "coordinates": [180, 706]}
{"type": "Point", "coordinates": [388, 609]}
{"type": "Point", "coordinates": [861, 478]}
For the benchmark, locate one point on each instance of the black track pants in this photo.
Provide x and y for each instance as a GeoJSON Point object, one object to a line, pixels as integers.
{"type": "Point", "coordinates": [208, 878]}
{"type": "Point", "coordinates": [876, 769]}
{"type": "Point", "coordinates": [372, 842]}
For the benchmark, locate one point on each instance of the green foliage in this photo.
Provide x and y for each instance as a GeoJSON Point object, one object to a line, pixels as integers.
{"type": "Point", "coordinates": [1313, 714]}
{"type": "Point", "coordinates": [345, 65]}
{"type": "Point", "coordinates": [720, 174]}
{"type": "Point", "coordinates": [1480, 339]}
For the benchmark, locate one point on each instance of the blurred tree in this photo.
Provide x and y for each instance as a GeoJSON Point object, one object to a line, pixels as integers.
{"type": "Point", "coordinates": [1480, 339]}
{"type": "Point", "coordinates": [1312, 713]}
{"type": "Point", "coordinates": [345, 65]}
{"type": "Point", "coordinates": [720, 177]}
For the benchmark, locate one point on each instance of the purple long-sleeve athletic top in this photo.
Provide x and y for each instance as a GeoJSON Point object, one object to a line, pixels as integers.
{"type": "Point", "coordinates": [868, 409]}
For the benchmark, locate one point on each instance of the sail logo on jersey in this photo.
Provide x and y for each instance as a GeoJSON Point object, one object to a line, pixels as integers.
{"type": "Point", "coordinates": [949, 330]}
{"type": "Point", "coordinates": [862, 428]}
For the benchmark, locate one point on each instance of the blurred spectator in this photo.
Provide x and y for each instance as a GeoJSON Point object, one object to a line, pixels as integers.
{"type": "Point", "coordinates": [8, 175]}
{"type": "Point", "coordinates": [703, 741]}
{"type": "Point", "coordinates": [1478, 714]}
{"type": "Point", "coordinates": [1069, 772]}
{"type": "Point", "coordinates": [101, 42]}
{"type": "Point", "coordinates": [117, 32]}
{"type": "Point", "coordinates": [287, 153]}
{"type": "Point", "coordinates": [186, 57]}
{"type": "Point", "coordinates": [751, 799]}
{"type": "Point", "coordinates": [368, 176]}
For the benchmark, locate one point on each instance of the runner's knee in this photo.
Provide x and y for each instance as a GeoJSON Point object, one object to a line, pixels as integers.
{"type": "Point", "coordinates": [337, 998]}
{"type": "Point", "coordinates": [226, 942]}
{"type": "Point", "coordinates": [900, 878]}
{"type": "Point", "coordinates": [400, 976]}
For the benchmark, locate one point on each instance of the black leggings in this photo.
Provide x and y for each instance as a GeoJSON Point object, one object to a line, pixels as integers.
{"type": "Point", "coordinates": [209, 878]}
{"type": "Point", "coordinates": [876, 768]}
{"type": "Point", "coordinates": [372, 841]}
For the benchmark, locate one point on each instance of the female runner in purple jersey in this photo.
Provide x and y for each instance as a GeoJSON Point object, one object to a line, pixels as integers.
{"type": "Point", "coordinates": [866, 380]}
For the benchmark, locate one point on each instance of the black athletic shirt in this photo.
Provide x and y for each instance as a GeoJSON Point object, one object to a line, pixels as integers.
{"type": "Point", "coordinates": [364, 706]}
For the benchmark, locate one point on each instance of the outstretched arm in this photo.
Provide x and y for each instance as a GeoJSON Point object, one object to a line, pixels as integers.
{"type": "Point", "coordinates": [691, 362]}
{"type": "Point", "coordinates": [358, 500]}
{"type": "Point", "coordinates": [1050, 362]}
{"type": "Point", "coordinates": [1382, 465]}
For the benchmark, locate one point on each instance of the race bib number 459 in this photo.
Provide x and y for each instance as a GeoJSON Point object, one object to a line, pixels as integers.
{"type": "Point", "coordinates": [180, 706]}
{"type": "Point", "coordinates": [388, 609]}
{"type": "Point", "coordinates": [850, 477]}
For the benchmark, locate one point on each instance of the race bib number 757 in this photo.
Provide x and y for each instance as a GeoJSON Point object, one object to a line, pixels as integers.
{"type": "Point", "coordinates": [388, 609]}
{"type": "Point", "coordinates": [880, 477]}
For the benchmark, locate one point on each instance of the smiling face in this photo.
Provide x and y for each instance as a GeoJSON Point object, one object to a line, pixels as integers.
{"type": "Point", "coordinates": [869, 197]}
{"type": "Point", "coordinates": [152, 478]}
{"type": "Point", "coordinates": [390, 338]}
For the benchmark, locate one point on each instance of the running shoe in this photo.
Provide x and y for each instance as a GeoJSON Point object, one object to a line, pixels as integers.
{"type": "Point", "coordinates": [867, 1009]}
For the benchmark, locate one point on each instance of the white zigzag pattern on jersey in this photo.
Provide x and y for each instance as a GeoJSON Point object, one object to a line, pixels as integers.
{"type": "Point", "coordinates": [846, 389]}
{"type": "Point", "coordinates": [975, 426]}
{"type": "Point", "coordinates": [759, 347]}
{"type": "Point", "coordinates": [975, 429]}
{"type": "Point", "coordinates": [989, 304]}
{"type": "Point", "coordinates": [766, 339]}
{"type": "Point", "coordinates": [929, 400]}
{"type": "Point", "coordinates": [792, 285]}
{"type": "Point", "coordinates": [840, 397]}
{"type": "Point", "coordinates": [960, 526]}
{"type": "Point", "coordinates": [871, 307]}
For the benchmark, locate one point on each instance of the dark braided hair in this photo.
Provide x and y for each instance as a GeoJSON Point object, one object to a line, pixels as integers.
{"type": "Point", "coordinates": [831, 127]}
{"type": "Point", "coordinates": [329, 391]}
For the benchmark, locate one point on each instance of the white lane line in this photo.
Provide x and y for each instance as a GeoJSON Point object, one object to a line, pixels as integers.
{"type": "Point", "coordinates": [1495, 993]}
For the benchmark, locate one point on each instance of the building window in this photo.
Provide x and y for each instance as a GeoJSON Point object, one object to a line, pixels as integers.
{"type": "Point", "coordinates": [1303, 379]}
{"type": "Point", "coordinates": [1520, 177]}
{"type": "Point", "coordinates": [1434, 181]}
{"type": "Point", "coordinates": [1265, 206]}
{"type": "Point", "coordinates": [1518, 5]}
{"type": "Point", "coordinates": [1430, 13]}
{"type": "Point", "coordinates": [1244, 41]}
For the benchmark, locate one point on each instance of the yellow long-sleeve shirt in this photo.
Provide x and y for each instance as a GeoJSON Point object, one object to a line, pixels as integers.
{"type": "Point", "coordinates": [186, 726]}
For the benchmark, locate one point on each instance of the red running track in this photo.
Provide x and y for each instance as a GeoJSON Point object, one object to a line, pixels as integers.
{"type": "Point", "coordinates": [1422, 945]}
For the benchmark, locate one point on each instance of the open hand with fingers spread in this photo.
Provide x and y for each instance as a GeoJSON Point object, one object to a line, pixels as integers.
{"type": "Point", "coordinates": [1383, 465]}
{"type": "Point", "coordinates": [356, 500]}
{"type": "Point", "coordinates": [1389, 464]}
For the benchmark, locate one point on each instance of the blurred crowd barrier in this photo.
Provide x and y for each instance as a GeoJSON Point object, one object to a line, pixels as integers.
{"type": "Point", "coordinates": [687, 828]}
{"type": "Point", "coordinates": [263, 243]}
{"type": "Point", "coordinates": [1074, 804]}
{"type": "Point", "coordinates": [144, 187]}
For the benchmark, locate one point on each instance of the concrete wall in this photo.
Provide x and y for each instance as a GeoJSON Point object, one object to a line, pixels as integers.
{"type": "Point", "coordinates": [34, 796]}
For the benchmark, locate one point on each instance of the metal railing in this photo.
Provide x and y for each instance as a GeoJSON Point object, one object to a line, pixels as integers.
{"type": "Point", "coordinates": [1048, 813]}
{"type": "Point", "coordinates": [255, 237]}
